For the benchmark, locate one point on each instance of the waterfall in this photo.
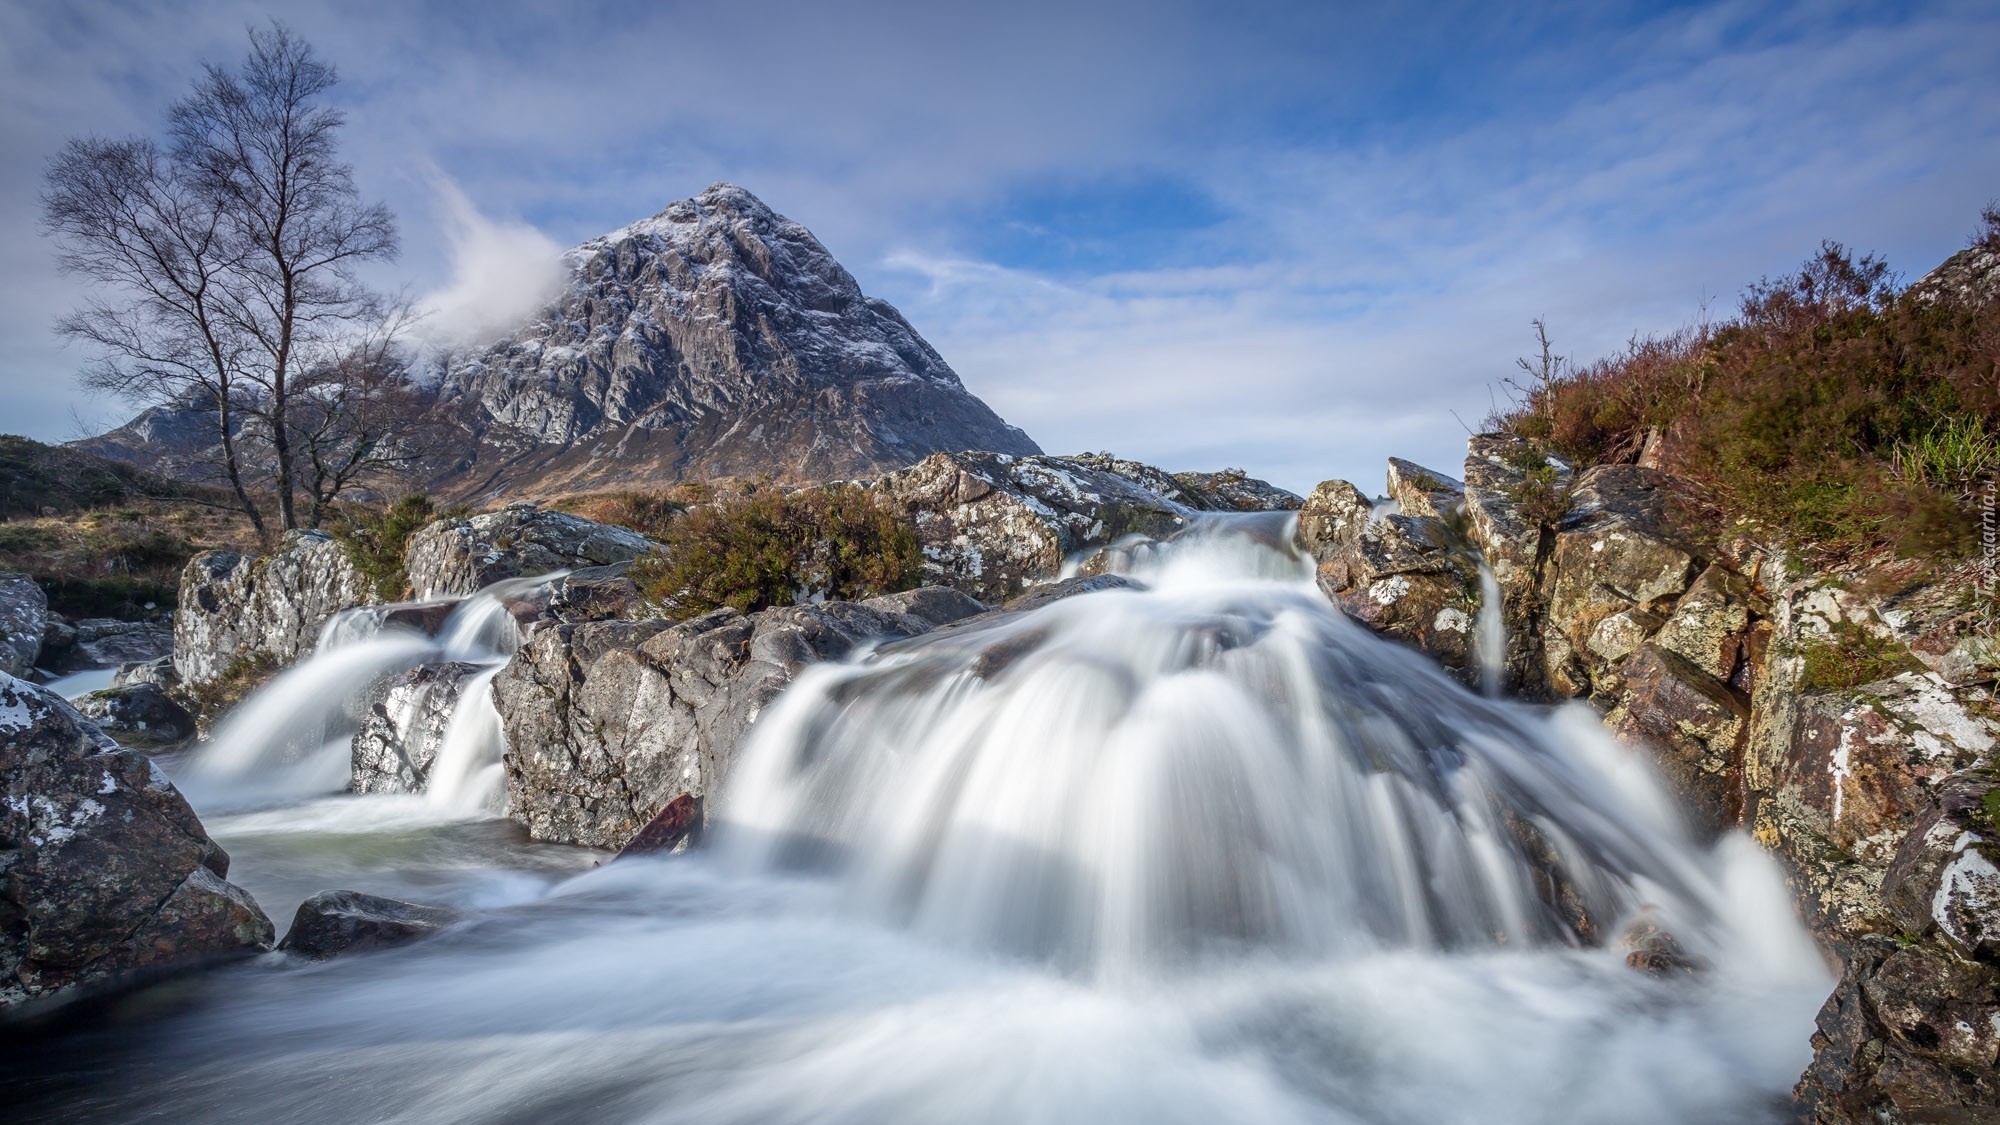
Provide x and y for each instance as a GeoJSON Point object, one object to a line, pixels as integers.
{"type": "Point", "coordinates": [292, 737]}
{"type": "Point", "coordinates": [1489, 642]}
{"type": "Point", "coordinates": [1217, 762]}
{"type": "Point", "coordinates": [1199, 851]}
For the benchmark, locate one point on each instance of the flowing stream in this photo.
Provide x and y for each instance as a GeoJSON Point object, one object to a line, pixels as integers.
{"type": "Point", "coordinates": [1204, 851]}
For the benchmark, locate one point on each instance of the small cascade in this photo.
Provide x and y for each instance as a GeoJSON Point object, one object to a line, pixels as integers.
{"type": "Point", "coordinates": [292, 737]}
{"type": "Point", "coordinates": [1489, 642]}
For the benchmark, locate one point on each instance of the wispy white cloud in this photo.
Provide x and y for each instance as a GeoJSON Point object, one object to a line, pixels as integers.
{"type": "Point", "coordinates": [502, 273]}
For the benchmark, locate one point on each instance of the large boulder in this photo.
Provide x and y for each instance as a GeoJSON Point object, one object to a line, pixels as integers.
{"type": "Point", "coordinates": [24, 618]}
{"type": "Point", "coordinates": [1331, 519]}
{"type": "Point", "coordinates": [1402, 576]}
{"type": "Point", "coordinates": [607, 722]}
{"type": "Point", "coordinates": [108, 871]}
{"type": "Point", "coordinates": [236, 608]}
{"type": "Point", "coordinates": [454, 557]}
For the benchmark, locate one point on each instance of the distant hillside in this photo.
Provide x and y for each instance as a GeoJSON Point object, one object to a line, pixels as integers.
{"type": "Point", "coordinates": [715, 339]}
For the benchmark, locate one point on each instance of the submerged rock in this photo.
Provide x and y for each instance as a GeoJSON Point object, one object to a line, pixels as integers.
{"type": "Point", "coordinates": [673, 829]}
{"type": "Point", "coordinates": [24, 618]}
{"type": "Point", "coordinates": [459, 556]}
{"type": "Point", "coordinates": [108, 870]}
{"type": "Point", "coordinates": [331, 923]}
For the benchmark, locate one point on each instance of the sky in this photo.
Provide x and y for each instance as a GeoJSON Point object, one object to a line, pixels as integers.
{"type": "Point", "coordinates": [1293, 238]}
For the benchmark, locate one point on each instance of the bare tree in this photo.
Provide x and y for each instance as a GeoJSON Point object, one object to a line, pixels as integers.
{"type": "Point", "coordinates": [260, 146]}
{"type": "Point", "coordinates": [124, 216]}
{"type": "Point", "coordinates": [1544, 372]}
{"type": "Point", "coordinates": [357, 421]}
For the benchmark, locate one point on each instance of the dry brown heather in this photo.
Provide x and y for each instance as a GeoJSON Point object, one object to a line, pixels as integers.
{"type": "Point", "coordinates": [1842, 413]}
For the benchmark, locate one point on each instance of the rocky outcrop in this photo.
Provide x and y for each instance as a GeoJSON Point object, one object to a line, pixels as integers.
{"type": "Point", "coordinates": [139, 715]}
{"type": "Point", "coordinates": [405, 728]}
{"type": "Point", "coordinates": [1408, 576]}
{"type": "Point", "coordinates": [455, 557]}
{"type": "Point", "coordinates": [992, 525]}
{"type": "Point", "coordinates": [108, 871]}
{"type": "Point", "coordinates": [236, 608]}
{"type": "Point", "coordinates": [331, 923]}
{"type": "Point", "coordinates": [24, 618]}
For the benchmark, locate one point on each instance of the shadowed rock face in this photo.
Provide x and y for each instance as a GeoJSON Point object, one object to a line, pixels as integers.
{"type": "Point", "coordinates": [717, 338]}
{"type": "Point", "coordinates": [108, 869]}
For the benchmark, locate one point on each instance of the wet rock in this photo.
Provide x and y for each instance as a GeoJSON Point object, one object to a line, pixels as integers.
{"type": "Point", "coordinates": [1068, 588]}
{"type": "Point", "coordinates": [459, 556]}
{"type": "Point", "coordinates": [24, 618]}
{"type": "Point", "coordinates": [1653, 950]}
{"type": "Point", "coordinates": [672, 830]}
{"type": "Point", "coordinates": [1514, 544]}
{"type": "Point", "coordinates": [104, 642]}
{"type": "Point", "coordinates": [235, 608]}
{"type": "Point", "coordinates": [58, 637]}
{"type": "Point", "coordinates": [1332, 518]}
{"type": "Point", "coordinates": [1697, 724]}
{"type": "Point", "coordinates": [139, 715]}
{"type": "Point", "coordinates": [331, 923]}
{"type": "Point", "coordinates": [405, 728]}
{"type": "Point", "coordinates": [992, 525]}
{"type": "Point", "coordinates": [108, 870]}
{"type": "Point", "coordinates": [1910, 1034]}
{"type": "Point", "coordinates": [1423, 492]}
{"type": "Point", "coordinates": [607, 722]}
{"type": "Point", "coordinates": [1401, 577]}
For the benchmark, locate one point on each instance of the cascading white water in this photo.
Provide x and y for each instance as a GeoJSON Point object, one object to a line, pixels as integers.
{"type": "Point", "coordinates": [1220, 761]}
{"type": "Point", "coordinates": [1239, 860]}
{"type": "Point", "coordinates": [292, 737]}
{"type": "Point", "coordinates": [1489, 642]}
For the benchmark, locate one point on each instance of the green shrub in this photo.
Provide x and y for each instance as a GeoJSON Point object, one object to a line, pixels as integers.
{"type": "Point", "coordinates": [765, 547]}
{"type": "Point", "coordinates": [373, 540]}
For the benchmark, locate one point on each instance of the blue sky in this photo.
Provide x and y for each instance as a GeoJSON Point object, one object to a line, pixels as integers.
{"type": "Point", "coordinates": [1294, 238]}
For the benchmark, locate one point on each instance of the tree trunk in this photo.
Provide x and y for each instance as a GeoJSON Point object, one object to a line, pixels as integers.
{"type": "Point", "coordinates": [229, 464]}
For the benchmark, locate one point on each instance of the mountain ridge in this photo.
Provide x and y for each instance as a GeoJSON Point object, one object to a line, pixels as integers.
{"type": "Point", "coordinates": [713, 339]}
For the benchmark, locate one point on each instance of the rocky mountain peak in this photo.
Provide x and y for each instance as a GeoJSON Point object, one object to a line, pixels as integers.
{"type": "Point", "coordinates": [716, 338]}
